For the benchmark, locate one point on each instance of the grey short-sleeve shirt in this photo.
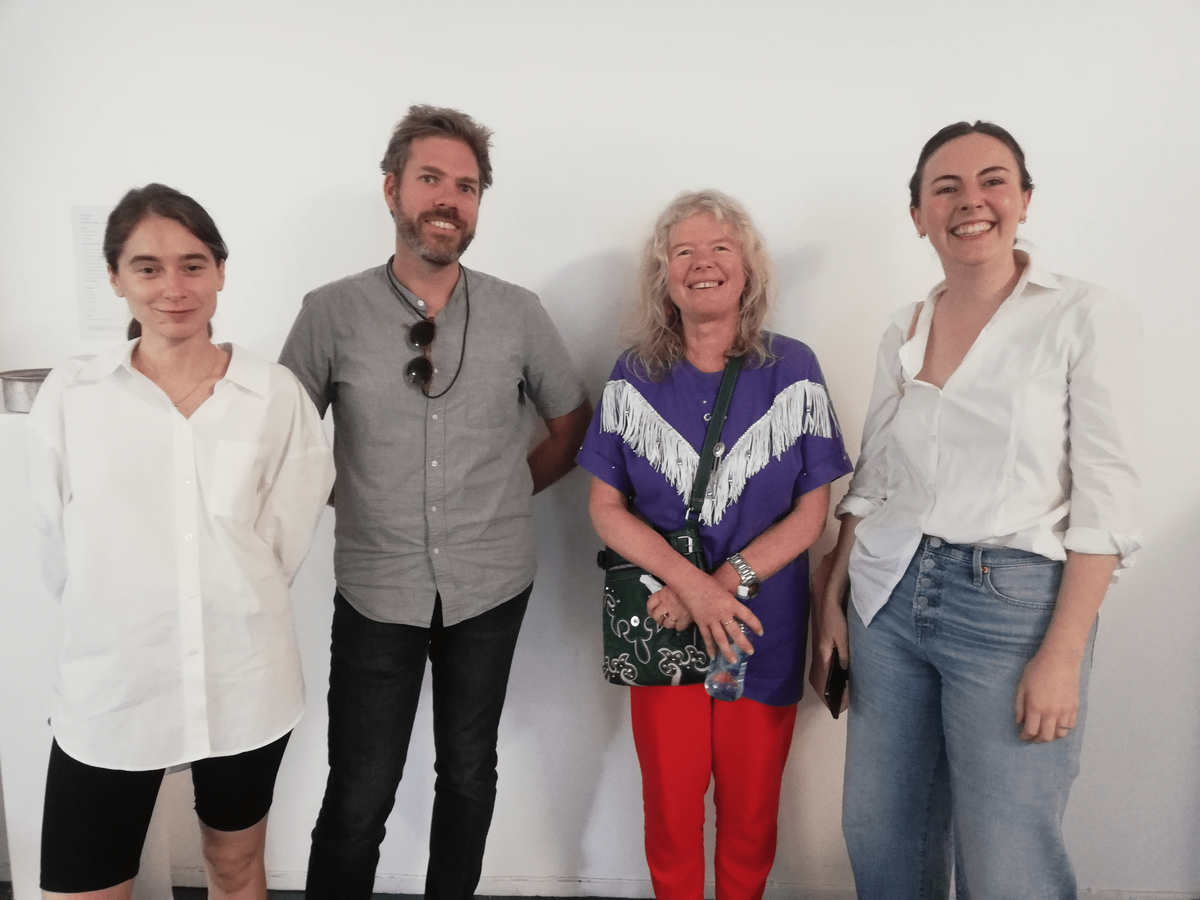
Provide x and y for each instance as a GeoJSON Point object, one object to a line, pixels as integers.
{"type": "Point", "coordinates": [432, 495]}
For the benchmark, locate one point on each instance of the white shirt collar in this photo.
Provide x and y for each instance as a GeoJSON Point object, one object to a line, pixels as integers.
{"type": "Point", "coordinates": [246, 370]}
{"type": "Point", "coordinates": [1033, 274]}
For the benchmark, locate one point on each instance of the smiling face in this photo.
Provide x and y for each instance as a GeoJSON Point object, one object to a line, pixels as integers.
{"type": "Point", "coordinates": [169, 278]}
{"type": "Point", "coordinates": [706, 272]}
{"type": "Point", "coordinates": [971, 201]}
{"type": "Point", "coordinates": [435, 200]}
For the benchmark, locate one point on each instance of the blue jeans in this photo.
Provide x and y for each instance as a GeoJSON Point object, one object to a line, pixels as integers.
{"type": "Point", "coordinates": [375, 676]}
{"type": "Point", "coordinates": [932, 735]}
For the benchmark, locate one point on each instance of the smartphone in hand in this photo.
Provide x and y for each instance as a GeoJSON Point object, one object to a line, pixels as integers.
{"type": "Point", "coordinates": [835, 684]}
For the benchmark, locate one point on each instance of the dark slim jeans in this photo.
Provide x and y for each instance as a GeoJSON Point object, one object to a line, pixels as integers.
{"type": "Point", "coordinates": [374, 684]}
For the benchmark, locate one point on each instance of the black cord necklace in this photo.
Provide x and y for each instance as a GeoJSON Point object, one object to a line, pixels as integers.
{"type": "Point", "coordinates": [395, 286]}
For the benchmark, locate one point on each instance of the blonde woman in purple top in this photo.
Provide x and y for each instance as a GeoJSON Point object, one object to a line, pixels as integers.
{"type": "Point", "coordinates": [706, 283]}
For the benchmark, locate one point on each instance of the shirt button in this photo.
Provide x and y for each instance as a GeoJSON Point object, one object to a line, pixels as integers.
{"type": "Point", "coordinates": [436, 550]}
{"type": "Point", "coordinates": [433, 509]}
{"type": "Point", "coordinates": [421, 303]}
{"type": "Point", "coordinates": [435, 417]}
{"type": "Point", "coordinates": [187, 537]}
{"type": "Point", "coordinates": [434, 463]}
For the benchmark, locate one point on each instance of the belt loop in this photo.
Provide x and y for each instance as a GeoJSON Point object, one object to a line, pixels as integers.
{"type": "Point", "coordinates": [977, 566]}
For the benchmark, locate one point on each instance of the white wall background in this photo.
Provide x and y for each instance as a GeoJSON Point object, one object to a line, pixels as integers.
{"type": "Point", "coordinates": [274, 115]}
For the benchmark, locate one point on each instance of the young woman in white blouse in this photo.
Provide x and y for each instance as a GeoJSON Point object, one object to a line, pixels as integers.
{"type": "Point", "coordinates": [177, 486]}
{"type": "Point", "coordinates": [994, 497]}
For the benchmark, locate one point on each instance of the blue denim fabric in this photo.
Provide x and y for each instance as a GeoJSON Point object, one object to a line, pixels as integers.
{"type": "Point", "coordinates": [933, 740]}
{"type": "Point", "coordinates": [375, 678]}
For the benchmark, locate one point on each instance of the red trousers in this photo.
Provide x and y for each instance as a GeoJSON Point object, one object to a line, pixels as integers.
{"type": "Point", "coordinates": [683, 739]}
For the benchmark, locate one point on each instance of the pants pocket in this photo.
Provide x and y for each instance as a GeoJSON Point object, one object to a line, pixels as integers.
{"type": "Point", "coordinates": [1029, 585]}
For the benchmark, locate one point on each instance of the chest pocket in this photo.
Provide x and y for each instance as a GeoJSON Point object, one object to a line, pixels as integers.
{"type": "Point", "coordinates": [234, 481]}
{"type": "Point", "coordinates": [497, 397]}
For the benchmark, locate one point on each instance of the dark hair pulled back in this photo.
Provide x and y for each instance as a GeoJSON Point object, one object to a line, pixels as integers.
{"type": "Point", "coordinates": [962, 129]}
{"type": "Point", "coordinates": [158, 200]}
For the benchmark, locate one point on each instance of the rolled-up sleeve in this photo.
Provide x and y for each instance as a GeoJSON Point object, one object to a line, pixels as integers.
{"type": "Point", "coordinates": [1104, 398]}
{"type": "Point", "coordinates": [868, 487]}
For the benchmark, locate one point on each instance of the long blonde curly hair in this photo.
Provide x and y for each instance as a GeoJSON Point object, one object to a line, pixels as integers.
{"type": "Point", "coordinates": [656, 332]}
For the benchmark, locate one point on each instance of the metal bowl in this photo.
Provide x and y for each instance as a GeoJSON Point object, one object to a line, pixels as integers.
{"type": "Point", "coordinates": [20, 387]}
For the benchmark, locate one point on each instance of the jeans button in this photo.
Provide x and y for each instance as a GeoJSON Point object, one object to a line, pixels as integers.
{"type": "Point", "coordinates": [924, 582]}
{"type": "Point", "coordinates": [935, 542]}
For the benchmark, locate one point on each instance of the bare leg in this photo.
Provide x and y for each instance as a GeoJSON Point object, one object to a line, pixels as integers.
{"type": "Point", "coordinates": [122, 891]}
{"type": "Point", "coordinates": [234, 861]}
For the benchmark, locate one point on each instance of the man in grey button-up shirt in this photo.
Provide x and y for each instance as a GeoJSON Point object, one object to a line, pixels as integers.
{"type": "Point", "coordinates": [435, 374]}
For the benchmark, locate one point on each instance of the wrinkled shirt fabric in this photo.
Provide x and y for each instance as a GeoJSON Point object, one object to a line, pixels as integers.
{"type": "Point", "coordinates": [170, 544]}
{"type": "Point", "coordinates": [433, 494]}
{"type": "Point", "coordinates": [1031, 444]}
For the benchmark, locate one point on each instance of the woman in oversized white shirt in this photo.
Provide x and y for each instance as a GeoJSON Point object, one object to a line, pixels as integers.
{"type": "Point", "coordinates": [994, 497]}
{"type": "Point", "coordinates": [177, 486]}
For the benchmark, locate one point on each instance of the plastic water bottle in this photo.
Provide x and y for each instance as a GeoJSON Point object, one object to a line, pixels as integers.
{"type": "Point", "coordinates": [726, 680]}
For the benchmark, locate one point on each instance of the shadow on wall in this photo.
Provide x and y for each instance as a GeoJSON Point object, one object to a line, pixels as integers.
{"type": "Point", "coordinates": [1134, 813]}
{"type": "Point", "coordinates": [567, 715]}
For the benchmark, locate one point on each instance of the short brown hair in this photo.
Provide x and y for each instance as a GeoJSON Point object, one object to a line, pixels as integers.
{"type": "Point", "coordinates": [438, 121]}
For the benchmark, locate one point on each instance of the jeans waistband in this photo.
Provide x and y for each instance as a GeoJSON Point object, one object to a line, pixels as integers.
{"type": "Point", "coordinates": [980, 553]}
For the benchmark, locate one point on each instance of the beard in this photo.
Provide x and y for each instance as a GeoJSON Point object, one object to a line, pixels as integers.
{"type": "Point", "coordinates": [441, 253]}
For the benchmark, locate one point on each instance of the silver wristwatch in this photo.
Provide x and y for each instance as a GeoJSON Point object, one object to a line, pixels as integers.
{"type": "Point", "coordinates": [750, 583]}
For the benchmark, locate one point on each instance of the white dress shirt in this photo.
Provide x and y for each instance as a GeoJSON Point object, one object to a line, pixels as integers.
{"type": "Point", "coordinates": [171, 543]}
{"type": "Point", "coordinates": [1031, 443]}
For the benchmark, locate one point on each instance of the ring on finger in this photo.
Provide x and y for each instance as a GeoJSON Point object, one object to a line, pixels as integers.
{"type": "Point", "coordinates": [727, 624]}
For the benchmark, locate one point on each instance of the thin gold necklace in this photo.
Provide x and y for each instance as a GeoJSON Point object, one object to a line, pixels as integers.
{"type": "Point", "coordinates": [194, 387]}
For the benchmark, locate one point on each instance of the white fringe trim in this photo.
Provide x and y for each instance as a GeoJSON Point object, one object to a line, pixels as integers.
{"type": "Point", "coordinates": [799, 409]}
{"type": "Point", "coordinates": [628, 414]}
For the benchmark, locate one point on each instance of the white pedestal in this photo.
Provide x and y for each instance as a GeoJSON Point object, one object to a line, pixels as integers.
{"type": "Point", "coordinates": [26, 641]}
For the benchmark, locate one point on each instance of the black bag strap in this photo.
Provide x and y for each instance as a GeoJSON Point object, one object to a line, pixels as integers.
{"type": "Point", "coordinates": [713, 435]}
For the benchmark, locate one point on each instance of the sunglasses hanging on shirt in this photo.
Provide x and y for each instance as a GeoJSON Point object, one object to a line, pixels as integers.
{"type": "Point", "coordinates": [419, 370]}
